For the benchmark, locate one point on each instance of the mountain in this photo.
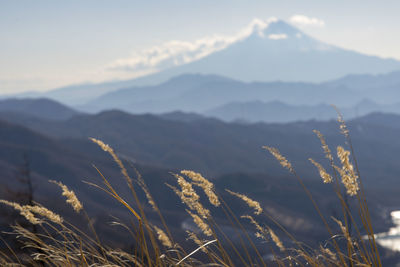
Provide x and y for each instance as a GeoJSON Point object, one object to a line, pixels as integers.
{"type": "Point", "coordinates": [228, 153]}
{"type": "Point", "coordinates": [381, 119]}
{"type": "Point", "coordinates": [210, 95]}
{"type": "Point", "coordinates": [41, 108]}
{"type": "Point", "coordinates": [278, 52]}
{"type": "Point", "coordinates": [214, 147]}
{"type": "Point", "coordinates": [181, 116]}
{"type": "Point", "coordinates": [165, 97]}
{"type": "Point", "coordinates": [70, 161]}
{"type": "Point", "coordinates": [77, 94]}
{"type": "Point", "coordinates": [276, 111]}
{"type": "Point", "coordinates": [200, 93]}
{"type": "Point", "coordinates": [257, 111]}
{"type": "Point", "coordinates": [282, 52]}
{"type": "Point", "coordinates": [363, 82]}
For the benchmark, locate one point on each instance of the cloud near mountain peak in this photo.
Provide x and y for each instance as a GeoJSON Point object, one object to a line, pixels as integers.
{"type": "Point", "coordinates": [178, 52]}
{"type": "Point", "coordinates": [303, 20]}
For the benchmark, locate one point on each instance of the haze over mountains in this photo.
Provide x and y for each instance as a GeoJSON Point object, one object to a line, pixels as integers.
{"type": "Point", "coordinates": [212, 115]}
{"type": "Point", "coordinates": [281, 52]}
{"type": "Point", "coordinates": [215, 96]}
{"type": "Point", "coordinates": [204, 115]}
{"type": "Point", "coordinates": [276, 52]}
{"type": "Point", "coordinates": [42, 108]}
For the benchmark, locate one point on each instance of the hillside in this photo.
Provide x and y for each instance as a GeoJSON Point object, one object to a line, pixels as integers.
{"type": "Point", "coordinates": [279, 112]}
{"type": "Point", "coordinates": [70, 161]}
{"type": "Point", "coordinates": [214, 147]}
{"type": "Point", "coordinates": [42, 108]}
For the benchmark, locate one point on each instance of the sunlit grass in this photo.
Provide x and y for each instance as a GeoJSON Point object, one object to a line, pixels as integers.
{"type": "Point", "coordinates": [59, 243]}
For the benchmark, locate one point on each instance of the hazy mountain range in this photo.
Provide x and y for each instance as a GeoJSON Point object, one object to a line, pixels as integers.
{"type": "Point", "coordinates": [60, 149]}
{"type": "Point", "coordinates": [279, 52]}
{"type": "Point", "coordinates": [276, 111]}
{"type": "Point", "coordinates": [230, 99]}
{"type": "Point", "coordinates": [242, 112]}
{"type": "Point", "coordinates": [215, 147]}
{"type": "Point", "coordinates": [42, 108]}
{"type": "Point", "coordinates": [213, 116]}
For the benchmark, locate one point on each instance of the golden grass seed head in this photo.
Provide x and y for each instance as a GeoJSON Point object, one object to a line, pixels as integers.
{"type": "Point", "coordinates": [42, 211]}
{"type": "Point", "coordinates": [194, 237]}
{"type": "Point", "coordinates": [325, 147]}
{"type": "Point", "coordinates": [70, 195]}
{"type": "Point", "coordinates": [261, 232]}
{"type": "Point", "coordinates": [204, 227]}
{"type": "Point", "coordinates": [349, 178]}
{"type": "Point", "coordinates": [206, 185]}
{"type": "Point", "coordinates": [149, 197]}
{"type": "Point", "coordinates": [28, 212]}
{"type": "Point", "coordinates": [109, 150]}
{"type": "Point", "coordinates": [251, 203]}
{"type": "Point", "coordinates": [281, 159]}
{"type": "Point", "coordinates": [344, 230]}
{"type": "Point", "coordinates": [189, 196]}
{"type": "Point", "coordinates": [276, 240]}
{"type": "Point", "coordinates": [162, 236]}
{"type": "Point", "coordinates": [326, 177]}
{"type": "Point", "coordinates": [331, 255]}
{"type": "Point", "coordinates": [349, 182]}
{"type": "Point", "coordinates": [101, 144]}
{"type": "Point", "coordinates": [187, 188]}
{"type": "Point", "coordinates": [23, 210]}
{"type": "Point", "coordinates": [342, 124]}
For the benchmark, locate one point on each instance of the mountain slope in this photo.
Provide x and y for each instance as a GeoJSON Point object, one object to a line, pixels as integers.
{"type": "Point", "coordinates": [258, 111]}
{"type": "Point", "coordinates": [214, 147]}
{"type": "Point", "coordinates": [69, 161]}
{"type": "Point", "coordinates": [41, 108]}
{"type": "Point", "coordinates": [279, 52]}
{"type": "Point", "coordinates": [276, 111]}
{"type": "Point", "coordinates": [294, 57]}
{"type": "Point", "coordinates": [363, 82]}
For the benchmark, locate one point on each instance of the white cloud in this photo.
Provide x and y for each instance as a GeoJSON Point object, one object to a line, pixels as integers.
{"type": "Point", "coordinates": [277, 36]}
{"type": "Point", "coordinates": [180, 52]}
{"type": "Point", "coordinates": [302, 20]}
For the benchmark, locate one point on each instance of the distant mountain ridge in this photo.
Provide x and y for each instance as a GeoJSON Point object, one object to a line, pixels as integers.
{"type": "Point", "coordinates": [279, 52]}
{"type": "Point", "coordinates": [206, 93]}
{"type": "Point", "coordinates": [232, 100]}
{"type": "Point", "coordinates": [367, 81]}
{"type": "Point", "coordinates": [41, 108]}
{"type": "Point", "coordinates": [276, 111]}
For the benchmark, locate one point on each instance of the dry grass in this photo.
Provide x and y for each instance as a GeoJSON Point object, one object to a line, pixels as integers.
{"type": "Point", "coordinates": [59, 243]}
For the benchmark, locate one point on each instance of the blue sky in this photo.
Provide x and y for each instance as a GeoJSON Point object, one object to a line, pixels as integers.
{"type": "Point", "coordinates": [47, 44]}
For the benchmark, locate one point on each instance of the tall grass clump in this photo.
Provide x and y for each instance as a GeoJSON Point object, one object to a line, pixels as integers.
{"type": "Point", "coordinates": [60, 243]}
